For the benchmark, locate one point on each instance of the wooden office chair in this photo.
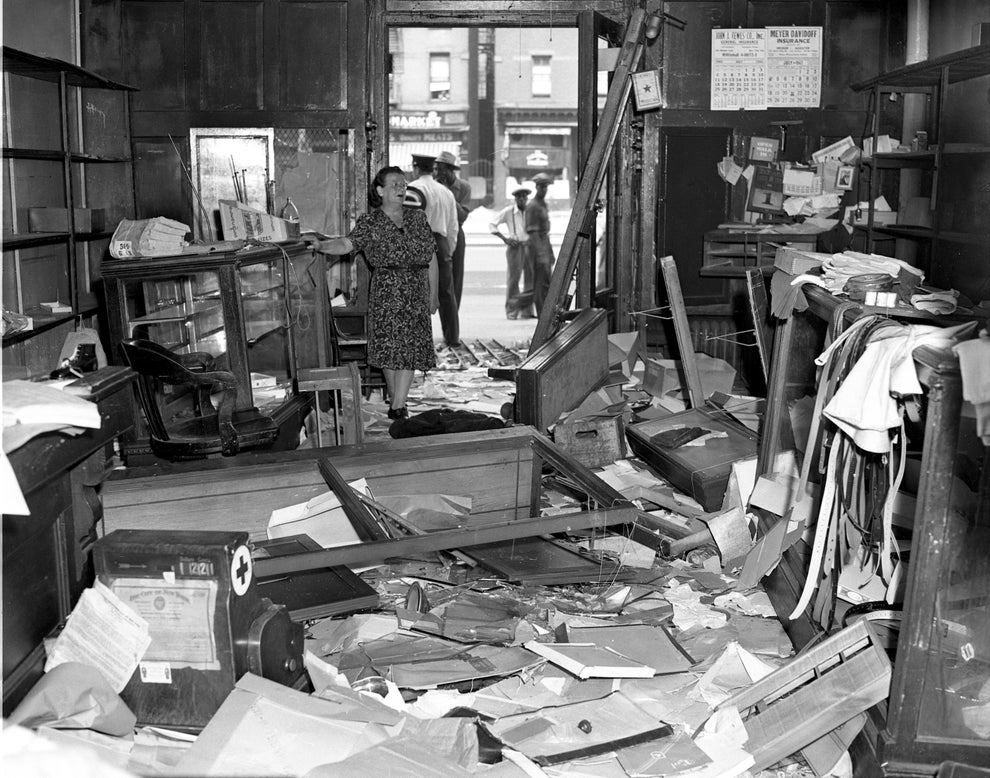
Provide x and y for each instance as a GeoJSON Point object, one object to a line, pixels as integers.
{"type": "Point", "coordinates": [210, 430]}
{"type": "Point", "coordinates": [349, 343]}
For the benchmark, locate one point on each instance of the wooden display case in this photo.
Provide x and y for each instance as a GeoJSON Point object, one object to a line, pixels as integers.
{"type": "Point", "coordinates": [941, 670]}
{"type": "Point", "coordinates": [260, 313]}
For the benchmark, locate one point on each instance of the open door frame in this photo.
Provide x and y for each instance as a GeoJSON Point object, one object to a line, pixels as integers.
{"type": "Point", "coordinates": [594, 19]}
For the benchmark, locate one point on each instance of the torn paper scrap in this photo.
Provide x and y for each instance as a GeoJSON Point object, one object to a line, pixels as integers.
{"type": "Point", "coordinates": [103, 632]}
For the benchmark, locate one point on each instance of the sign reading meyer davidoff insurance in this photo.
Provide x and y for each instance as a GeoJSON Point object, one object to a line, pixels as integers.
{"type": "Point", "coordinates": [771, 67]}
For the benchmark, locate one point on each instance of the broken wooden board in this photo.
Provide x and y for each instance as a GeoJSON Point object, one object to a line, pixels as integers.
{"type": "Point", "coordinates": [759, 306]}
{"type": "Point", "coordinates": [443, 540]}
{"type": "Point", "coordinates": [682, 331]}
{"type": "Point", "coordinates": [559, 375]}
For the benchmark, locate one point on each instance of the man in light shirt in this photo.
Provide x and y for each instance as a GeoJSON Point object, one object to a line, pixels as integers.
{"type": "Point", "coordinates": [441, 212]}
{"type": "Point", "coordinates": [515, 239]}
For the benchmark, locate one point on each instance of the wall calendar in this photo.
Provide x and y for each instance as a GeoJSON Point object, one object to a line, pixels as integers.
{"type": "Point", "coordinates": [771, 67]}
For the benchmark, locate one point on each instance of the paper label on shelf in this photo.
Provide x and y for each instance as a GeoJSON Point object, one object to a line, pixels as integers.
{"type": "Point", "coordinates": [155, 672]}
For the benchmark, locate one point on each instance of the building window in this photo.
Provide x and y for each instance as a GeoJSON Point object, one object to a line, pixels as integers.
{"type": "Point", "coordinates": [541, 75]}
{"type": "Point", "coordinates": [440, 77]}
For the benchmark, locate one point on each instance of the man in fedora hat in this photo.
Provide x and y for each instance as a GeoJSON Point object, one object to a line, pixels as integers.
{"type": "Point", "coordinates": [447, 167]}
{"type": "Point", "coordinates": [441, 212]}
{"type": "Point", "coordinates": [539, 251]}
{"type": "Point", "coordinates": [515, 240]}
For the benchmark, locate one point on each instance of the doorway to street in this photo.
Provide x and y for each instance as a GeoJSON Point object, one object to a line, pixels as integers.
{"type": "Point", "coordinates": [504, 102]}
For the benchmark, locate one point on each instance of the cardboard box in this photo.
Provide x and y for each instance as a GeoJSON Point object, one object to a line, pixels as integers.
{"type": "Point", "coordinates": [239, 222]}
{"type": "Point", "coordinates": [594, 441]}
{"type": "Point", "coordinates": [57, 219]}
{"type": "Point", "coordinates": [662, 376]}
{"type": "Point", "coordinates": [880, 218]}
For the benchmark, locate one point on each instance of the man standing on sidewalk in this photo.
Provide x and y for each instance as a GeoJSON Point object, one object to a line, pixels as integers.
{"type": "Point", "coordinates": [539, 249]}
{"type": "Point", "coordinates": [447, 168]}
{"type": "Point", "coordinates": [515, 240]}
{"type": "Point", "coordinates": [441, 212]}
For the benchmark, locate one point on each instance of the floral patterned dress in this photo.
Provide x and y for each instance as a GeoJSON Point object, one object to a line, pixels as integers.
{"type": "Point", "coordinates": [400, 333]}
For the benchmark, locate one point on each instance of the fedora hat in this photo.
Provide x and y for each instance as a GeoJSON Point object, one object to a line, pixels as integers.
{"type": "Point", "coordinates": [543, 178]}
{"type": "Point", "coordinates": [520, 191]}
{"type": "Point", "coordinates": [447, 158]}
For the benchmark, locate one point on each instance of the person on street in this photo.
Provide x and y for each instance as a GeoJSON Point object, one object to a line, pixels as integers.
{"type": "Point", "coordinates": [447, 167]}
{"type": "Point", "coordinates": [516, 239]}
{"type": "Point", "coordinates": [539, 250]}
{"type": "Point", "coordinates": [441, 212]}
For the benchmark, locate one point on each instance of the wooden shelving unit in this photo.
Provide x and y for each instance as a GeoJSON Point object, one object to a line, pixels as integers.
{"type": "Point", "coordinates": [67, 164]}
{"type": "Point", "coordinates": [931, 77]}
{"type": "Point", "coordinates": [729, 253]}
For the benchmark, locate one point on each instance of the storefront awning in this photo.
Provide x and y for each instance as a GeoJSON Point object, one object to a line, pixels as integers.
{"type": "Point", "coordinates": [400, 154]}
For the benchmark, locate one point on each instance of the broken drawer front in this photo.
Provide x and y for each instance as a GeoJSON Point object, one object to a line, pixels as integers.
{"type": "Point", "coordinates": [699, 468]}
{"type": "Point", "coordinates": [563, 371]}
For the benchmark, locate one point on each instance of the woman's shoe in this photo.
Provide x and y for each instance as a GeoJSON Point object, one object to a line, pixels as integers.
{"type": "Point", "coordinates": [398, 413]}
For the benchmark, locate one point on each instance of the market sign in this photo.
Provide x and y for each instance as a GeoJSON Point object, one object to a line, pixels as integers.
{"type": "Point", "coordinates": [415, 121]}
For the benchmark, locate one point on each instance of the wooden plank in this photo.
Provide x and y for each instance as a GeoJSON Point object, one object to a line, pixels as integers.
{"type": "Point", "coordinates": [488, 13]}
{"type": "Point", "coordinates": [365, 524]}
{"type": "Point", "coordinates": [591, 179]}
{"type": "Point", "coordinates": [599, 491]}
{"type": "Point", "coordinates": [682, 330]}
{"type": "Point", "coordinates": [759, 307]}
{"type": "Point", "coordinates": [370, 553]}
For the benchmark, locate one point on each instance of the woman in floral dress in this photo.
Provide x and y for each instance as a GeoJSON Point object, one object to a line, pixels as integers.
{"type": "Point", "coordinates": [399, 247]}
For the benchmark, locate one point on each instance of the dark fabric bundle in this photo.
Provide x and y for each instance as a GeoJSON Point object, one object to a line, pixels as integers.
{"type": "Point", "coordinates": [441, 421]}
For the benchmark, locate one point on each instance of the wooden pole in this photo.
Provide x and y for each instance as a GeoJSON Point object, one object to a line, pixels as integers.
{"type": "Point", "coordinates": [591, 180]}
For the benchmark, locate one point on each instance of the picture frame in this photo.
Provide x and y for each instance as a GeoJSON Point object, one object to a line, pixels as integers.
{"type": "Point", "coordinates": [216, 154]}
{"type": "Point", "coordinates": [844, 177]}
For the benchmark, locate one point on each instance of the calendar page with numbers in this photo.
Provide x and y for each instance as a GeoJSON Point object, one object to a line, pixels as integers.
{"type": "Point", "coordinates": [739, 70]}
{"type": "Point", "coordinates": [760, 68]}
{"type": "Point", "coordinates": [794, 67]}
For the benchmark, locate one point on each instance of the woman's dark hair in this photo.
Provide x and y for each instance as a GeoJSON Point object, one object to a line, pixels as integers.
{"type": "Point", "coordinates": [375, 199]}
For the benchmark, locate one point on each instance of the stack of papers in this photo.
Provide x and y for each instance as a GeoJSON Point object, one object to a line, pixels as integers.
{"type": "Point", "coordinates": [30, 408]}
{"type": "Point", "coordinates": [158, 237]}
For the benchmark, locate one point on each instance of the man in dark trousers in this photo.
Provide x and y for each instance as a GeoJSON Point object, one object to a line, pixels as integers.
{"type": "Point", "coordinates": [513, 216]}
{"type": "Point", "coordinates": [441, 212]}
{"type": "Point", "coordinates": [447, 167]}
{"type": "Point", "coordinates": [540, 252]}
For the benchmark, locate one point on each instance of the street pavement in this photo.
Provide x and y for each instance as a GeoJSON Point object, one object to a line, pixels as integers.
{"type": "Point", "coordinates": [482, 313]}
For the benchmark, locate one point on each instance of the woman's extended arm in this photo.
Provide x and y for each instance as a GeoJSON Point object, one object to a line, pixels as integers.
{"type": "Point", "coordinates": [434, 273]}
{"type": "Point", "coordinates": [335, 246]}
